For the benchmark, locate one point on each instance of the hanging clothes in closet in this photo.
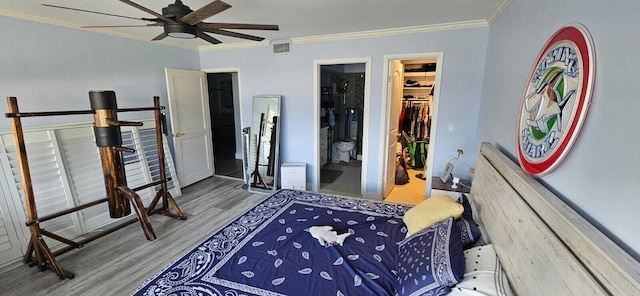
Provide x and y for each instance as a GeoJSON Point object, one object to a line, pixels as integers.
{"type": "Point", "coordinates": [415, 119]}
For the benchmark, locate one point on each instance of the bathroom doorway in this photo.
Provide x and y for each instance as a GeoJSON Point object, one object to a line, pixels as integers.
{"type": "Point", "coordinates": [225, 120]}
{"type": "Point", "coordinates": [341, 99]}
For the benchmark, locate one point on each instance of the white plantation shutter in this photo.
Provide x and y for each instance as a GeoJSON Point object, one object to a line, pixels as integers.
{"type": "Point", "coordinates": [48, 178]}
{"type": "Point", "coordinates": [148, 140]}
{"type": "Point", "coordinates": [84, 169]}
{"type": "Point", "coordinates": [66, 171]}
{"type": "Point", "coordinates": [7, 248]}
{"type": "Point", "coordinates": [135, 167]}
{"type": "Point", "coordinates": [10, 244]}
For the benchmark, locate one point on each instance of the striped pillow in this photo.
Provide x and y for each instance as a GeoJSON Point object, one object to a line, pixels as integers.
{"type": "Point", "coordinates": [483, 274]}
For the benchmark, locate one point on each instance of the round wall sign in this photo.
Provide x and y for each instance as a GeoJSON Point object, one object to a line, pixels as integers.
{"type": "Point", "coordinates": [555, 99]}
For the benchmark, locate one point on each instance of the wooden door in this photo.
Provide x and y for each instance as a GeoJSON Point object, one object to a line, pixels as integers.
{"type": "Point", "coordinates": [394, 83]}
{"type": "Point", "coordinates": [190, 124]}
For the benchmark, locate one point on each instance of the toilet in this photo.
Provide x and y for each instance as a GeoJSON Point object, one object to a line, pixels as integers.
{"type": "Point", "coordinates": [342, 151]}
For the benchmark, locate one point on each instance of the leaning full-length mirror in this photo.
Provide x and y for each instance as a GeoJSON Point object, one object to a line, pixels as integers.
{"type": "Point", "coordinates": [263, 145]}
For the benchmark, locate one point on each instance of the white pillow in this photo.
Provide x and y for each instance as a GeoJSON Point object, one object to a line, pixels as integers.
{"type": "Point", "coordinates": [483, 274]}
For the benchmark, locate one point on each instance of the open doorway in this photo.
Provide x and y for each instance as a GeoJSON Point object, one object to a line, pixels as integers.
{"type": "Point", "coordinates": [341, 101]}
{"type": "Point", "coordinates": [341, 119]}
{"type": "Point", "coordinates": [225, 119]}
{"type": "Point", "coordinates": [412, 94]}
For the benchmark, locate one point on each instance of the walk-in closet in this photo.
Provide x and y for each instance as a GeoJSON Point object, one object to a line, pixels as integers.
{"type": "Point", "coordinates": [414, 129]}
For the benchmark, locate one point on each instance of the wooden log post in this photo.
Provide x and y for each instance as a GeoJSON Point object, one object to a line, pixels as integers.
{"type": "Point", "coordinates": [109, 141]}
{"type": "Point", "coordinates": [109, 136]}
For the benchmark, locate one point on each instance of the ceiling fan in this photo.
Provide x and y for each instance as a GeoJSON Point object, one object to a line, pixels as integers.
{"type": "Point", "coordinates": [179, 21]}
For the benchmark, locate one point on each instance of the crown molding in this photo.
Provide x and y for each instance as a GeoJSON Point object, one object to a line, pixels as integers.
{"type": "Point", "coordinates": [40, 19]}
{"type": "Point", "coordinates": [500, 8]}
{"type": "Point", "coordinates": [393, 32]}
{"type": "Point", "coordinates": [355, 35]}
{"type": "Point", "coordinates": [238, 45]}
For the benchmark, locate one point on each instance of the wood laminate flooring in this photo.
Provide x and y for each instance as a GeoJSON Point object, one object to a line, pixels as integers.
{"type": "Point", "coordinates": [120, 262]}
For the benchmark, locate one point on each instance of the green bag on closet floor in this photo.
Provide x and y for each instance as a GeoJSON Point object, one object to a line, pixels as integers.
{"type": "Point", "coordinates": [418, 154]}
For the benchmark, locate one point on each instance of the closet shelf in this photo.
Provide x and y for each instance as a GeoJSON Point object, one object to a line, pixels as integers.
{"type": "Point", "coordinates": [420, 74]}
{"type": "Point", "coordinates": [418, 87]}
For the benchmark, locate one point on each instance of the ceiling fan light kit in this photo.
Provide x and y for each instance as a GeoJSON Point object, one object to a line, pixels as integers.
{"type": "Point", "coordinates": [181, 30]}
{"type": "Point", "coordinates": [179, 21]}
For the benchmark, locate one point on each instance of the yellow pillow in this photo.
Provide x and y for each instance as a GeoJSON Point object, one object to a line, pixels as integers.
{"type": "Point", "coordinates": [430, 211]}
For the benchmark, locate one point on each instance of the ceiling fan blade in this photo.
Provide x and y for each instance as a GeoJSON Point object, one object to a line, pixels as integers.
{"type": "Point", "coordinates": [123, 26]}
{"type": "Point", "coordinates": [160, 37]}
{"type": "Point", "coordinates": [208, 38]}
{"type": "Point", "coordinates": [205, 12]}
{"type": "Point", "coordinates": [215, 26]}
{"type": "Point", "coordinates": [97, 12]}
{"type": "Point", "coordinates": [138, 6]}
{"type": "Point", "coordinates": [234, 34]}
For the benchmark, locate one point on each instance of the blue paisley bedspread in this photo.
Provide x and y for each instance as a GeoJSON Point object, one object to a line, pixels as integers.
{"type": "Point", "coordinates": [267, 251]}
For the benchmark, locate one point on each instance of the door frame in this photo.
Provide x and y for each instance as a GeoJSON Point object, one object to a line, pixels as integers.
{"type": "Point", "coordinates": [386, 106]}
{"type": "Point", "coordinates": [236, 103]}
{"type": "Point", "coordinates": [365, 125]}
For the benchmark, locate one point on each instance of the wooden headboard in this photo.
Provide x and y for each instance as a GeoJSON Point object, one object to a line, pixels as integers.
{"type": "Point", "coordinates": [545, 247]}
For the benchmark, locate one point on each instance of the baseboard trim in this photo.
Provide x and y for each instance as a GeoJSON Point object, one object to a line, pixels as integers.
{"type": "Point", "coordinates": [372, 195]}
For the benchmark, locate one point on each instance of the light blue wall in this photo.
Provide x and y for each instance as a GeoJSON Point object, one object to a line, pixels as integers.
{"type": "Point", "coordinates": [53, 68]}
{"type": "Point", "coordinates": [600, 176]}
{"type": "Point", "coordinates": [291, 75]}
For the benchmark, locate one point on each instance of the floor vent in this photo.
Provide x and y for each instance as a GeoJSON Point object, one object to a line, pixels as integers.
{"type": "Point", "coordinates": [281, 47]}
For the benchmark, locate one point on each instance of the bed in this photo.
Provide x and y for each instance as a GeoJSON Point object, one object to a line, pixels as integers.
{"type": "Point", "coordinates": [544, 247]}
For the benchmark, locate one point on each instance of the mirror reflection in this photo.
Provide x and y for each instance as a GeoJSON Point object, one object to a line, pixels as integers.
{"type": "Point", "coordinates": [264, 139]}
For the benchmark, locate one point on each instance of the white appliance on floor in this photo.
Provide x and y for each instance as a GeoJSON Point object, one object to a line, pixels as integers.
{"type": "Point", "coordinates": [293, 175]}
{"type": "Point", "coordinates": [343, 151]}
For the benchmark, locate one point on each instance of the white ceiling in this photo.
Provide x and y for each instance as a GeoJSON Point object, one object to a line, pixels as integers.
{"type": "Point", "coordinates": [296, 18]}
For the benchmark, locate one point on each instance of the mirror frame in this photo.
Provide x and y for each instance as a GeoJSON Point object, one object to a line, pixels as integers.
{"type": "Point", "coordinates": [260, 107]}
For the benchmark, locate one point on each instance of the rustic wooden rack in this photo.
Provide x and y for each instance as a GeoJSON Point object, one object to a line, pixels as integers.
{"type": "Point", "coordinates": [119, 195]}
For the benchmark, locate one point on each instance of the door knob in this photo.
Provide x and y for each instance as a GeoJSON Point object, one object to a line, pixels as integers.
{"type": "Point", "coordinates": [178, 134]}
